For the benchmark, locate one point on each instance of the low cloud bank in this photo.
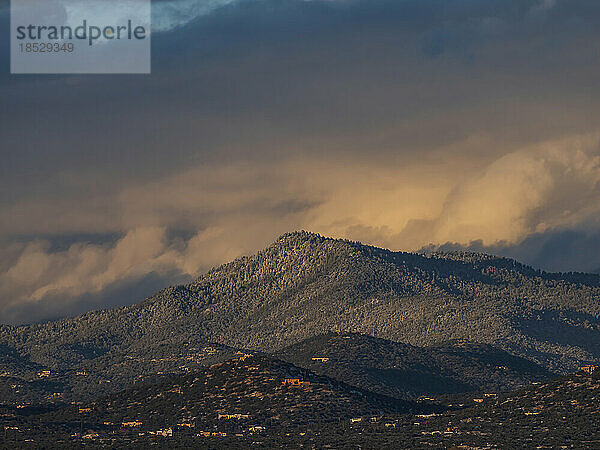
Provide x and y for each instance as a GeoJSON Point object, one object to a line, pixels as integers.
{"type": "Point", "coordinates": [180, 226]}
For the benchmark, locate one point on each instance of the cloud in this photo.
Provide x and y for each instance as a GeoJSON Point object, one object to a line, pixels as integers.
{"type": "Point", "coordinates": [551, 185]}
{"type": "Point", "coordinates": [544, 5]}
{"type": "Point", "coordinates": [82, 268]}
{"type": "Point", "coordinates": [398, 123]}
{"type": "Point", "coordinates": [168, 15]}
{"type": "Point", "coordinates": [231, 210]}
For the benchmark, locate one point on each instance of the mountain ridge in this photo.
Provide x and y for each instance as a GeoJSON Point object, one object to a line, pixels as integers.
{"type": "Point", "coordinates": [305, 284]}
{"type": "Point", "coordinates": [404, 371]}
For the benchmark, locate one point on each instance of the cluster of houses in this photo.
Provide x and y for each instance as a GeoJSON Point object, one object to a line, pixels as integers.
{"type": "Point", "coordinates": [241, 356]}
{"type": "Point", "coordinates": [233, 416]}
{"type": "Point", "coordinates": [212, 434]}
{"type": "Point", "coordinates": [133, 423]}
{"type": "Point", "coordinates": [166, 432]}
{"type": "Point", "coordinates": [360, 419]}
{"type": "Point", "coordinates": [252, 430]}
{"type": "Point", "coordinates": [295, 382]}
{"type": "Point", "coordinates": [589, 369]}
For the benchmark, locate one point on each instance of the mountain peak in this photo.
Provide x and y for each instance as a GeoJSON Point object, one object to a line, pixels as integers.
{"type": "Point", "coordinates": [299, 235]}
{"type": "Point", "coordinates": [302, 238]}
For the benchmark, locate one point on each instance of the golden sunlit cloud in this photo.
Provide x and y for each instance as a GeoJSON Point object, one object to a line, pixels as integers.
{"type": "Point", "coordinates": [233, 210]}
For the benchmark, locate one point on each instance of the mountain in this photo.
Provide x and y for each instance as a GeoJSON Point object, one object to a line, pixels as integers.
{"type": "Point", "coordinates": [388, 368]}
{"type": "Point", "coordinates": [249, 402]}
{"type": "Point", "coordinates": [304, 285]}
{"type": "Point", "coordinates": [405, 371]}
{"type": "Point", "coordinates": [562, 413]}
{"type": "Point", "coordinates": [266, 390]}
{"type": "Point", "coordinates": [110, 372]}
{"type": "Point", "coordinates": [242, 395]}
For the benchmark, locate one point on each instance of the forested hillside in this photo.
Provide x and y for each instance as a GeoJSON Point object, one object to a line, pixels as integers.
{"type": "Point", "coordinates": [404, 371]}
{"type": "Point", "coordinates": [304, 285]}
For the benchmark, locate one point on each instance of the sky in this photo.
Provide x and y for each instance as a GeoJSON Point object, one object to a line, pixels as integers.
{"type": "Point", "coordinates": [406, 124]}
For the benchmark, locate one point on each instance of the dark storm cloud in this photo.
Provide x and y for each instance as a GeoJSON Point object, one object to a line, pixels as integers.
{"type": "Point", "coordinates": [393, 122]}
{"type": "Point", "coordinates": [255, 71]}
